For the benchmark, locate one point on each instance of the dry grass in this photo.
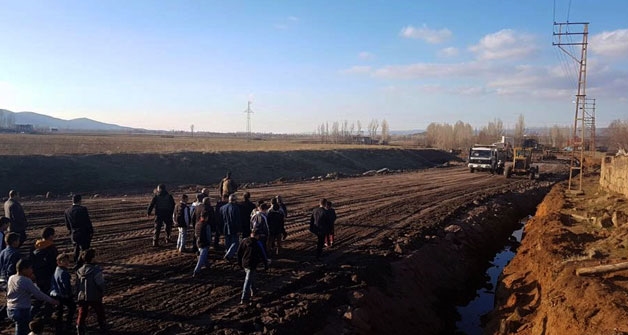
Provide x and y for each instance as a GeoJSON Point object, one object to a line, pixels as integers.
{"type": "Point", "coordinates": [81, 144]}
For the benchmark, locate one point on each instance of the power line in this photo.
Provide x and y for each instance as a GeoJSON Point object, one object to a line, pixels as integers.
{"type": "Point", "coordinates": [248, 112]}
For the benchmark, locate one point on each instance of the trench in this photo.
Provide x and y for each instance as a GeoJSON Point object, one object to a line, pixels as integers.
{"type": "Point", "coordinates": [471, 314]}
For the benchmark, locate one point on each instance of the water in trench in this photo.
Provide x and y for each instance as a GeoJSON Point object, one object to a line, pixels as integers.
{"type": "Point", "coordinates": [470, 323]}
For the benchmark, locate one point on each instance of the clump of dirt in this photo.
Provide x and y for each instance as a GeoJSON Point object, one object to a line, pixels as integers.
{"type": "Point", "coordinates": [539, 291]}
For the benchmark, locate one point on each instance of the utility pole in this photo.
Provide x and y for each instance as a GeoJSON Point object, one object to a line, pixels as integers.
{"type": "Point", "coordinates": [248, 112]}
{"type": "Point", "coordinates": [562, 39]}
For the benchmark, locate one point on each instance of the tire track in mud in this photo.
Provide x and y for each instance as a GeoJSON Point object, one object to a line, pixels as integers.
{"type": "Point", "coordinates": [150, 289]}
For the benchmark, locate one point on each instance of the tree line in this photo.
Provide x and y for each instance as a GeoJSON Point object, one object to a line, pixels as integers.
{"type": "Point", "coordinates": [345, 132]}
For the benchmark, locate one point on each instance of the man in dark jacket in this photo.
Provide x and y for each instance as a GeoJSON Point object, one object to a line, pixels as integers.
{"type": "Point", "coordinates": [232, 223]}
{"type": "Point", "coordinates": [319, 225]}
{"type": "Point", "coordinates": [163, 203]}
{"type": "Point", "coordinates": [80, 227]}
{"type": "Point", "coordinates": [250, 255]}
{"type": "Point", "coordinates": [203, 215]}
{"type": "Point", "coordinates": [14, 211]}
{"type": "Point", "coordinates": [246, 207]}
{"type": "Point", "coordinates": [227, 186]}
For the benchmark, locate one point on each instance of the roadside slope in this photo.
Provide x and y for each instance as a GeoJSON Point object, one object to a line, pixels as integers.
{"type": "Point", "coordinates": [539, 291]}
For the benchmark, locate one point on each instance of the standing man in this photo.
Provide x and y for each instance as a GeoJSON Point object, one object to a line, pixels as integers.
{"type": "Point", "coordinates": [163, 203]}
{"type": "Point", "coordinates": [14, 211]}
{"type": "Point", "coordinates": [227, 186]}
{"type": "Point", "coordinates": [232, 223]}
{"type": "Point", "coordinates": [329, 238]}
{"type": "Point", "coordinates": [80, 227]}
{"type": "Point", "coordinates": [246, 207]}
{"type": "Point", "coordinates": [319, 225]}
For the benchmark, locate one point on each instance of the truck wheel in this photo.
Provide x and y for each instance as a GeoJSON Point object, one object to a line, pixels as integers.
{"type": "Point", "coordinates": [471, 170]}
{"type": "Point", "coordinates": [532, 175]}
{"type": "Point", "coordinates": [508, 172]}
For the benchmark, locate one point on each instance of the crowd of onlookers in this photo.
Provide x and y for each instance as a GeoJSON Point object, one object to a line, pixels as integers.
{"type": "Point", "coordinates": [252, 235]}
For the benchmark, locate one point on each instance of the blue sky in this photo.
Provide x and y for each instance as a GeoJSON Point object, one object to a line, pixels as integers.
{"type": "Point", "coordinates": [170, 64]}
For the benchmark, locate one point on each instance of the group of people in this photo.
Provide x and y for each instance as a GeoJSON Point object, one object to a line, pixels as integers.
{"type": "Point", "coordinates": [252, 232]}
{"type": "Point", "coordinates": [44, 274]}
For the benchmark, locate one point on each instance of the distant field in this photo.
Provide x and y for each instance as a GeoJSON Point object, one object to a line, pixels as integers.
{"type": "Point", "coordinates": [71, 144]}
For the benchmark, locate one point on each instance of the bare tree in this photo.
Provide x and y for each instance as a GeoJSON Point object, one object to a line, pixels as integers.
{"type": "Point", "coordinates": [373, 126]}
{"type": "Point", "coordinates": [520, 128]}
{"type": "Point", "coordinates": [618, 134]}
{"type": "Point", "coordinates": [385, 132]}
{"type": "Point", "coordinates": [359, 128]}
{"type": "Point", "coordinates": [192, 129]}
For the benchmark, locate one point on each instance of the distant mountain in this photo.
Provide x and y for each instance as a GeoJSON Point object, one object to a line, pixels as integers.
{"type": "Point", "coordinates": [45, 121]}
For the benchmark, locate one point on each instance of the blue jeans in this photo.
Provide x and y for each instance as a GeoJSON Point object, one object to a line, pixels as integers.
{"type": "Point", "coordinates": [249, 280]}
{"type": "Point", "coordinates": [21, 317]}
{"type": "Point", "coordinates": [231, 243]}
{"type": "Point", "coordinates": [182, 238]}
{"type": "Point", "coordinates": [202, 259]}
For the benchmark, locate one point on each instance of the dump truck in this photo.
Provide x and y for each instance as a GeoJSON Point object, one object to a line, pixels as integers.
{"type": "Point", "coordinates": [486, 158]}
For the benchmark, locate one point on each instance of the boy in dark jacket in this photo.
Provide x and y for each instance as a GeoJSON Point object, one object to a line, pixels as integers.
{"type": "Point", "coordinates": [203, 216]}
{"type": "Point", "coordinates": [163, 203]}
{"type": "Point", "coordinates": [61, 289]}
{"type": "Point", "coordinates": [250, 255]}
{"type": "Point", "coordinates": [44, 258]}
{"type": "Point", "coordinates": [91, 289]}
{"type": "Point", "coordinates": [276, 227]}
{"type": "Point", "coordinates": [9, 256]}
{"type": "Point", "coordinates": [329, 237]}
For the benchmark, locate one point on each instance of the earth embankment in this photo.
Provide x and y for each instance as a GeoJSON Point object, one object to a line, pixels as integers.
{"type": "Point", "coordinates": [125, 172]}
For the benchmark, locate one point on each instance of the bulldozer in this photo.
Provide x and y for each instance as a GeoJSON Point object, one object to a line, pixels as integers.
{"type": "Point", "coordinates": [521, 164]}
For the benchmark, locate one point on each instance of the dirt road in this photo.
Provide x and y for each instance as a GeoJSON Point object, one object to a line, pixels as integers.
{"type": "Point", "coordinates": [151, 290]}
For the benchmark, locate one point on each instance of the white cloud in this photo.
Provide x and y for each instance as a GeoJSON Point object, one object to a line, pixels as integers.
{"type": "Point", "coordinates": [365, 55]}
{"type": "Point", "coordinates": [504, 44]}
{"type": "Point", "coordinates": [610, 43]}
{"type": "Point", "coordinates": [424, 33]}
{"type": "Point", "coordinates": [432, 70]}
{"type": "Point", "coordinates": [449, 52]}
{"type": "Point", "coordinates": [358, 69]}
{"type": "Point", "coordinates": [293, 18]}
{"type": "Point", "coordinates": [286, 23]}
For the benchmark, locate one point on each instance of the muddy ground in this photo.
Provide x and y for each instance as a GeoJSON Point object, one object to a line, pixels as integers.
{"type": "Point", "coordinates": [540, 292]}
{"type": "Point", "coordinates": [356, 288]}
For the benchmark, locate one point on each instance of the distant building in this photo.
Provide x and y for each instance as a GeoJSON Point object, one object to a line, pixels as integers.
{"type": "Point", "coordinates": [24, 128]}
{"type": "Point", "coordinates": [359, 139]}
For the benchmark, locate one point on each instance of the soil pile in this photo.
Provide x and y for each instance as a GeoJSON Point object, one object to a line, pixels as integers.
{"type": "Point", "coordinates": [540, 293]}
{"type": "Point", "coordinates": [126, 172]}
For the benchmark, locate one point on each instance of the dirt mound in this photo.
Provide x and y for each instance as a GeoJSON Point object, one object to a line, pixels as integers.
{"type": "Point", "coordinates": [116, 172]}
{"type": "Point", "coordinates": [539, 291]}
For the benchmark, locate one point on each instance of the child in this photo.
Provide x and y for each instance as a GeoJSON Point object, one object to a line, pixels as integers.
{"type": "Point", "coordinates": [181, 218]}
{"type": "Point", "coordinates": [250, 255]}
{"type": "Point", "coordinates": [36, 327]}
{"type": "Point", "coordinates": [20, 288]}
{"type": "Point", "coordinates": [9, 256]}
{"type": "Point", "coordinates": [61, 289]}
{"type": "Point", "coordinates": [44, 258]}
{"type": "Point", "coordinates": [276, 228]}
{"type": "Point", "coordinates": [91, 290]}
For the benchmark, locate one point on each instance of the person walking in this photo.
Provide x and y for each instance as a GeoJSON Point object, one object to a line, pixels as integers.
{"type": "Point", "coordinates": [91, 289]}
{"type": "Point", "coordinates": [80, 226]}
{"type": "Point", "coordinates": [282, 206]}
{"type": "Point", "coordinates": [218, 223]}
{"type": "Point", "coordinates": [181, 218]}
{"type": "Point", "coordinates": [250, 255]}
{"type": "Point", "coordinates": [14, 211]}
{"type": "Point", "coordinates": [276, 227]}
{"type": "Point", "coordinates": [227, 186]}
{"type": "Point", "coordinates": [246, 208]}
{"type": "Point", "coordinates": [163, 203]}
{"type": "Point", "coordinates": [329, 237]}
{"type": "Point", "coordinates": [319, 225]}
{"type": "Point", "coordinates": [232, 222]}
{"type": "Point", "coordinates": [44, 258]}
{"type": "Point", "coordinates": [203, 216]}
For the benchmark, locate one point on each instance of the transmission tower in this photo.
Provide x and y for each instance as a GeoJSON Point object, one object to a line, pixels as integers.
{"type": "Point", "coordinates": [589, 122]}
{"type": "Point", "coordinates": [248, 112]}
{"type": "Point", "coordinates": [563, 33]}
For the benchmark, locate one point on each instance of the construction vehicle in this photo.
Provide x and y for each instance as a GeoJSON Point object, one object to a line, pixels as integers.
{"type": "Point", "coordinates": [521, 164]}
{"type": "Point", "coordinates": [486, 158]}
